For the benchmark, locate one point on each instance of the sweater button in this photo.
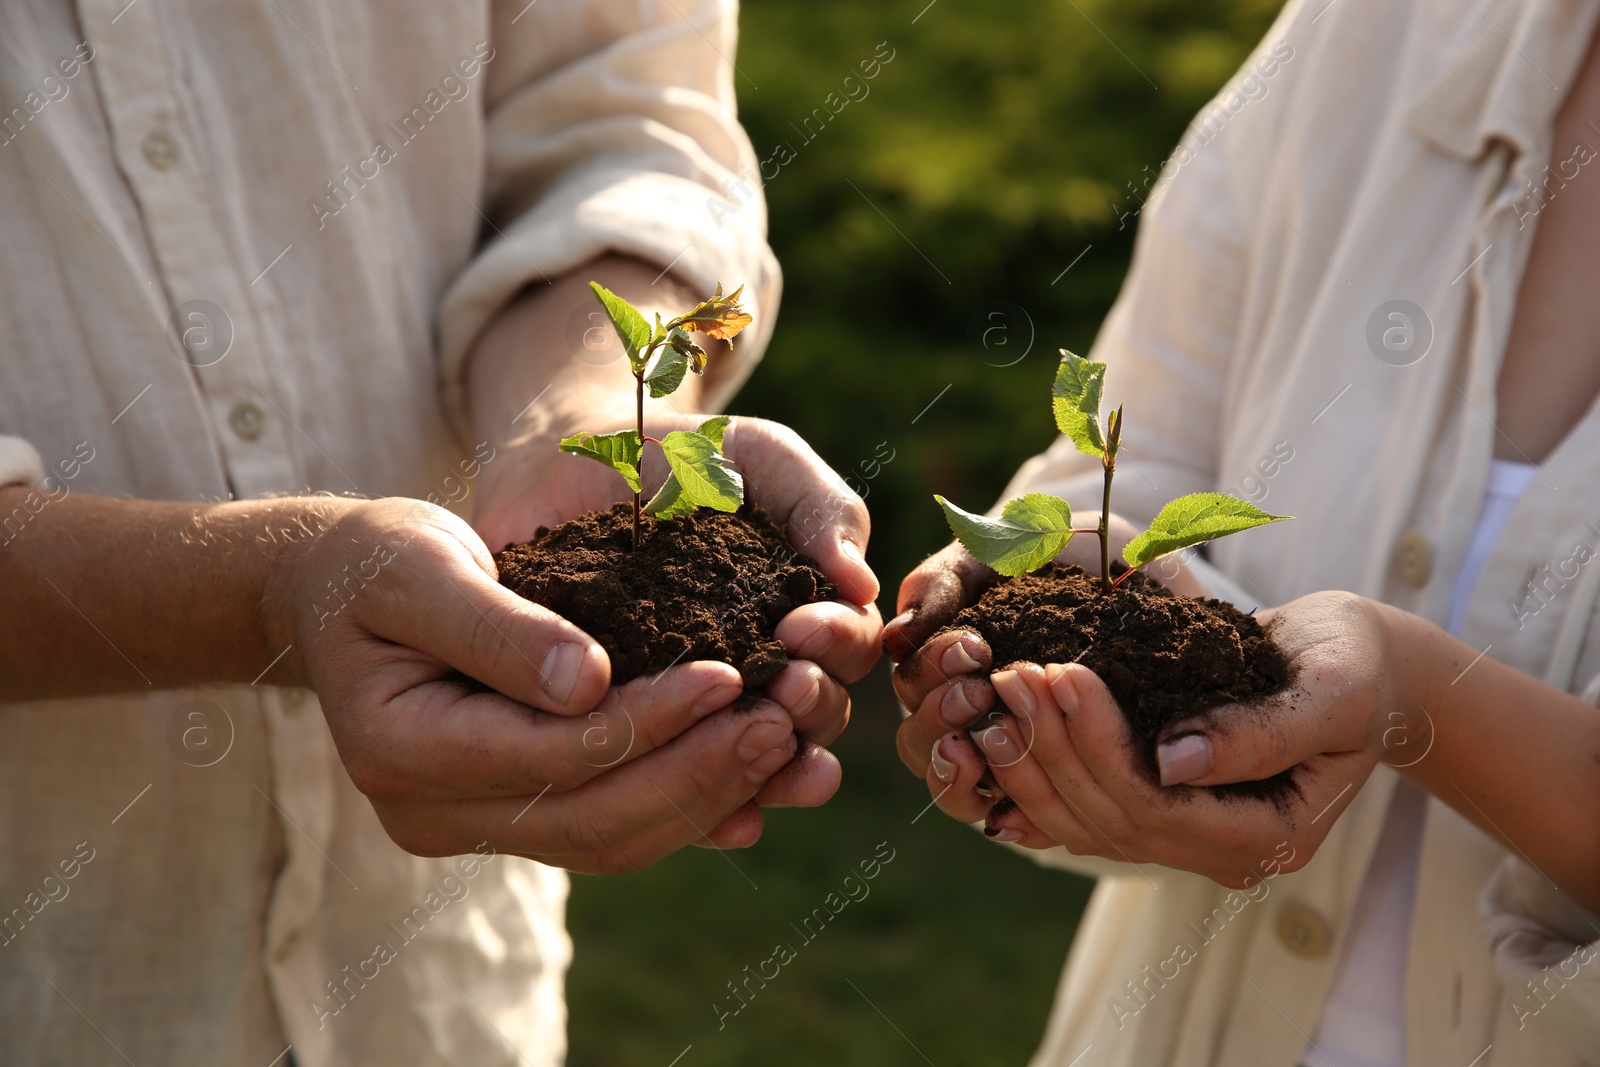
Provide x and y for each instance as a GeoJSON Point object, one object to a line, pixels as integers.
{"type": "Point", "coordinates": [1415, 559]}
{"type": "Point", "coordinates": [1303, 932]}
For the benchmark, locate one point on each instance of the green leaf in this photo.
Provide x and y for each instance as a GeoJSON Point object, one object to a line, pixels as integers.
{"type": "Point", "coordinates": [619, 451]}
{"type": "Point", "coordinates": [700, 475]}
{"type": "Point", "coordinates": [713, 428]}
{"type": "Point", "coordinates": [629, 324]}
{"type": "Point", "coordinates": [1194, 520]}
{"type": "Point", "coordinates": [668, 373]}
{"type": "Point", "coordinates": [1029, 533]}
{"type": "Point", "coordinates": [1076, 400]}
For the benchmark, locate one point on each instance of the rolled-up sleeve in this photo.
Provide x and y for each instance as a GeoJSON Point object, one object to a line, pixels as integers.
{"type": "Point", "coordinates": [19, 462]}
{"type": "Point", "coordinates": [1546, 949]}
{"type": "Point", "coordinates": [612, 127]}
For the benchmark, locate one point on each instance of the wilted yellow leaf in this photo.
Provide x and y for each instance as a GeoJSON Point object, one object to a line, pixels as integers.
{"type": "Point", "coordinates": [721, 317]}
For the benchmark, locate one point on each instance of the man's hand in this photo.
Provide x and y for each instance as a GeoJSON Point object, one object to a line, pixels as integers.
{"type": "Point", "coordinates": [528, 388]}
{"type": "Point", "coordinates": [394, 609]}
{"type": "Point", "coordinates": [831, 643]}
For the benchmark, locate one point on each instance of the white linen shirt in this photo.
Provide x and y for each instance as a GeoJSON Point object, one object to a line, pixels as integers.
{"type": "Point", "coordinates": [213, 170]}
{"type": "Point", "coordinates": [1371, 151]}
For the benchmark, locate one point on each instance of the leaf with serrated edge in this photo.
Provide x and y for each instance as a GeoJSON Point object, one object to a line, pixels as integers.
{"type": "Point", "coordinates": [721, 317]}
{"type": "Point", "coordinates": [629, 324]}
{"type": "Point", "coordinates": [1194, 520]}
{"type": "Point", "coordinates": [1029, 533]}
{"type": "Point", "coordinates": [1075, 399]}
{"type": "Point", "coordinates": [700, 477]}
{"type": "Point", "coordinates": [714, 428]}
{"type": "Point", "coordinates": [668, 373]}
{"type": "Point", "coordinates": [619, 451]}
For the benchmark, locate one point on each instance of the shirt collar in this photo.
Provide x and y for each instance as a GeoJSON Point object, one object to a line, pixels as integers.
{"type": "Point", "coordinates": [1504, 68]}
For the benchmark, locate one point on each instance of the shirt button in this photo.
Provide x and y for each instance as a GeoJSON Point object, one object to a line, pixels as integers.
{"type": "Point", "coordinates": [1303, 932]}
{"type": "Point", "coordinates": [247, 420]}
{"type": "Point", "coordinates": [1415, 558]}
{"type": "Point", "coordinates": [160, 150]}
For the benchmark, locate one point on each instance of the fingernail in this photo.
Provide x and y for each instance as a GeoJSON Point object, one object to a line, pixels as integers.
{"type": "Point", "coordinates": [896, 643]}
{"type": "Point", "coordinates": [806, 703]}
{"type": "Point", "coordinates": [559, 674]}
{"type": "Point", "coordinates": [994, 742]}
{"type": "Point", "coordinates": [1185, 758]}
{"type": "Point", "coordinates": [958, 661]}
{"type": "Point", "coordinates": [1005, 837]}
{"type": "Point", "coordinates": [852, 552]}
{"type": "Point", "coordinates": [762, 737]}
{"type": "Point", "coordinates": [1014, 691]}
{"type": "Point", "coordinates": [817, 644]}
{"type": "Point", "coordinates": [956, 709]}
{"type": "Point", "coordinates": [1063, 689]}
{"type": "Point", "coordinates": [943, 769]}
{"type": "Point", "coordinates": [716, 698]}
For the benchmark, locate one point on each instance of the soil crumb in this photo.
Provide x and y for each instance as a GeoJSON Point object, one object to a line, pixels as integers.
{"type": "Point", "coordinates": [705, 586]}
{"type": "Point", "coordinates": [1164, 657]}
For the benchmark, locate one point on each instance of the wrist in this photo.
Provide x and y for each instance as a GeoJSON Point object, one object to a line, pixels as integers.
{"type": "Point", "coordinates": [1415, 660]}
{"type": "Point", "coordinates": [293, 528]}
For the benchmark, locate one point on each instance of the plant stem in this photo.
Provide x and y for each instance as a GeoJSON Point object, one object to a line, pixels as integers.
{"type": "Point", "coordinates": [638, 500]}
{"type": "Point", "coordinates": [1105, 526]}
{"type": "Point", "coordinates": [1108, 460]}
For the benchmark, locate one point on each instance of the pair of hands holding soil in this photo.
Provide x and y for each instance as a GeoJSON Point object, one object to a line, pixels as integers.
{"type": "Point", "coordinates": [1063, 767]}
{"type": "Point", "coordinates": [550, 761]}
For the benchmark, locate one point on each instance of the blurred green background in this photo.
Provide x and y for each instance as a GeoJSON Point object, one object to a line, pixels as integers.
{"type": "Point", "coordinates": [924, 230]}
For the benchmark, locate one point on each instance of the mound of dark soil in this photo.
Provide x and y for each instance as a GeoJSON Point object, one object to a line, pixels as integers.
{"type": "Point", "coordinates": [1164, 657]}
{"type": "Point", "coordinates": [706, 586]}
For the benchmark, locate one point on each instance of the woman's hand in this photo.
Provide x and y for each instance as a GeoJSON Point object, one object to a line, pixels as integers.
{"type": "Point", "coordinates": [1064, 759]}
{"type": "Point", "coordinates": [944, 680]}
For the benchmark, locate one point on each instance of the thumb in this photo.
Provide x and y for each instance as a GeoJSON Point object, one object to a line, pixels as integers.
{"type": "Point", "coordinates": [931, 596]}
{"type": "Point", "coordinates": [1246, 743]}
{"type": "Point", "coordinates": [448, 604]}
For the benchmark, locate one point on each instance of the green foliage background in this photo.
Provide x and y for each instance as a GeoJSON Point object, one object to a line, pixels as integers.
{"type": "Point", "coordinates": [1000, 145]}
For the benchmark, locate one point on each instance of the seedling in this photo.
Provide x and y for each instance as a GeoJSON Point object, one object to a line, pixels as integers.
{"type": "Point", "coordinates": [1033, 529]}
{"type": "Point", "coordinates": [660, 358]}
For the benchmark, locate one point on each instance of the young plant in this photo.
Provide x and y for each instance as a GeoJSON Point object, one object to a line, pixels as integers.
{"type": "Point", "coordinates": [660, 357]}
{"type": "Point", "coordinates": [1033, 529]}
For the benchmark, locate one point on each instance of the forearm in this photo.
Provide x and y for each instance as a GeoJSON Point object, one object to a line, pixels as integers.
{"type": "Point", "coordinates": [1518, 758]}
{"type": "Point", "coordinates": [103, 595]}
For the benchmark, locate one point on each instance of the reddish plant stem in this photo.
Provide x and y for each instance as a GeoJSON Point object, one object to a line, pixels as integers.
{"type": "Point", "coordinates": [638, 501]}
{"type": "Point", "coordinates": [1105, 527]}
{"type": "Point", "coordinates": [1124, 576]}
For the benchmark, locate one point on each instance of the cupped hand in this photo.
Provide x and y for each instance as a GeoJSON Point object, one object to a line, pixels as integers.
{"type": "Point", "coordinates": [394, 615]}
{"type": "Point", "coordinates": [830, 643]}
{"type": "Point", "coordinates": [943, 678]}
{"type": "Point", "coordinates": [1064, 756]}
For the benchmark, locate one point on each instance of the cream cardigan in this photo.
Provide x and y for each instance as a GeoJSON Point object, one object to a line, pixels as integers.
{"type": "Point", "coordinates": [1372, 151]}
